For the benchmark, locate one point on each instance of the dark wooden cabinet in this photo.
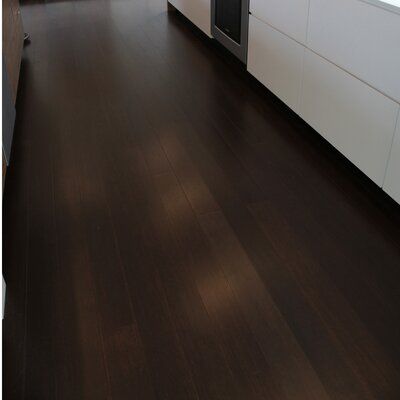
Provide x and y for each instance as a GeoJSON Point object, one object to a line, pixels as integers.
{"type": "Point", "coordinates": [13, 38]}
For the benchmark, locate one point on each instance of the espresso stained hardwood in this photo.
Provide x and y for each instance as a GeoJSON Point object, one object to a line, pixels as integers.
{"type": "Point", "coordinates": [173, 231]}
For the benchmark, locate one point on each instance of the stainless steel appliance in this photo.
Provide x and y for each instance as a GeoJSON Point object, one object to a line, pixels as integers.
{"type": "Point", "coordinates": [230, 25]}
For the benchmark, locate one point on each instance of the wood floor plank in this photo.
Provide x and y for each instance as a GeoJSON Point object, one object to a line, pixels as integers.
{"type": "Point", "coordinates": [287, 361]}
{"type": "Point", "coordinates": [279, 282]}
{"type": "Point", "coordinates": [227, 324]}
{"type": "Point", "coordinates": [332, 306]}
{"type": "Point", "coordinates": [173, 231]}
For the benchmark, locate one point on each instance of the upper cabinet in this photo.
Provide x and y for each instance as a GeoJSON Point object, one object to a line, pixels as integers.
{"type": "Point", "coordinates": [361, 38]}
{"type": "Point", "coordinates": [288, 16]}
{"type": "Point", "coordinates": [392, 178]}
{"type": "Point", "coordinates": [197, 11]}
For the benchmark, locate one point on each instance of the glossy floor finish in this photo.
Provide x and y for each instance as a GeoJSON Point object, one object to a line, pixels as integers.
{"type": "Point", "coordinates": [172, 231]}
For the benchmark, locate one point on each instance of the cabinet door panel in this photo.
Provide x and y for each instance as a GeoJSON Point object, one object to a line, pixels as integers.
{"type": "Point", "coordinates": [392, 178]}
{"type": "Point", "coordinates": [288, 16]}
{"type": "Point", "coordinates": [361, 38]}
{"type": "Point", "coordinates": [353, 117]}
{"type": "Point", "coordinates": [276, 61]}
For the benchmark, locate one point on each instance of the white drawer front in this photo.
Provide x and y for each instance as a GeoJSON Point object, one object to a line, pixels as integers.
{"type": "Point", "coordinates": [353, 117]}
{"type": "Point", "coordinates": [392, 178]}
{"type": "Point", "coordinates": [288, 16]}
{"type": "Point", "coordinates": [361, 38]}
{"type": "Point", "coordinates": [276, 61]}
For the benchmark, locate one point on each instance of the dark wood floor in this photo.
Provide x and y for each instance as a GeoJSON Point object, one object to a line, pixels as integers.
{"type": "Point", "coordinates": [172, 231]}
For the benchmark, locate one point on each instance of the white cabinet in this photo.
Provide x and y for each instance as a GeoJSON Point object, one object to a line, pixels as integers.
{"type": "Point", "coordinates": [288, 16]}
{"type": "Point", "coordinates": [197, 11]}
{"type": "Point", "coordinates": [359, 37]}
{"type": "Point", "coordinates": [356, 119]}
{"type": "Point", "coordinates": [336, 63]}
{"type": "Point", "coordinates": [276, 61]}
{"type": "Point", "coordinates": [392, 178]}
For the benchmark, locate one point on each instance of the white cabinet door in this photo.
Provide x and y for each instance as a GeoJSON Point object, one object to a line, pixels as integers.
{"type": "Point", "coordinates": [359, 37]}
{"type": "Point", "coordinates": [197, 11]}
{"type": "Point", "coordinates": [392, 178]}
{"type": "Point", "coordinates": [353, 117]}
{"type": "Point", "coordinates": [288, 16]}
{"type": "Point", "coordinates": [276, 61]}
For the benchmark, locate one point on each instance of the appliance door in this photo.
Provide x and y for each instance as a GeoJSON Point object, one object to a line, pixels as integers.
{"type": "Point", "coordinates": [229, 25]}
{"type": "Point", "coordinates": [228, 18]}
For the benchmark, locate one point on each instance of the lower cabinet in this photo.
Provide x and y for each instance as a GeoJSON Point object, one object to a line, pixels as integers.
{"type": "Point", "coordinates": [392, 178]}
{"type": "Point", "coordinates": [276, 61]}
{"type": "Point", "coordinates": [288, 16]}
{"type": "Point", "coordinates": [356, 118]}
{"type": "Point", "coordinates": [197, 11]}
{"type": "Point", "coordinates": [353, 117]}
